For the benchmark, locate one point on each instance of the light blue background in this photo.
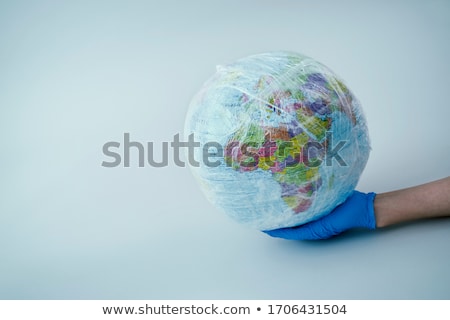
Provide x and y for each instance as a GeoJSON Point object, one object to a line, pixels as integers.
{"type": "Point", "coordinates": [74, 75]}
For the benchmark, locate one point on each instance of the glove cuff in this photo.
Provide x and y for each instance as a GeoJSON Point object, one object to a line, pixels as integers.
{"type": "Point", "coordinates": [371, 220]}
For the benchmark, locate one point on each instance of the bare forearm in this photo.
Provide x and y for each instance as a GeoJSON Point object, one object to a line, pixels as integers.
{"type": "Point", "coordinates": [424, 201]}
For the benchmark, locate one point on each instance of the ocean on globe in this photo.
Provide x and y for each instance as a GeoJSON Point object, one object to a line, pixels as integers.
{"type": "Point", "coordinates": [283, 140]}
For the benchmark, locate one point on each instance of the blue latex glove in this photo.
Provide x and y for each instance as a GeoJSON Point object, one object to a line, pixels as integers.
{"type": "Point", "coordinates": [356, 212]}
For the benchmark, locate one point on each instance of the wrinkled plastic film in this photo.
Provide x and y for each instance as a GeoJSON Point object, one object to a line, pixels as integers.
{"type": "Point", "coordinates": [294, 140]}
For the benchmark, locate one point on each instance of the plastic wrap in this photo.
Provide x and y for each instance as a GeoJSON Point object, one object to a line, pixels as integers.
{"type": "Point", "coordinates": [283, 141]}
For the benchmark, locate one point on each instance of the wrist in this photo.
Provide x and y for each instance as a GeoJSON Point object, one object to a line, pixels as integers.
{"type": "Point", "coordinates": [381, 209]}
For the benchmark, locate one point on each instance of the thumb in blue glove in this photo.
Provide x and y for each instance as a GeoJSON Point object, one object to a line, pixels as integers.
{"type": "Point", "coordinates": [356, 212]}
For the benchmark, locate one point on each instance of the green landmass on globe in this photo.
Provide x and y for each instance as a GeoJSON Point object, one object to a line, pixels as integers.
{"type": "Point", "coordinates": [280, 149]}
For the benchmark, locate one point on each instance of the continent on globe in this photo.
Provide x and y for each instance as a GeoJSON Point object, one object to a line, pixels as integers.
{"type": "Point", "coordinates": [277, 116]}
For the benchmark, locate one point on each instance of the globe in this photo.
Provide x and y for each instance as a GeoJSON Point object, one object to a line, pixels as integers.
{"type": "Point", "coordinates": [283, 140]}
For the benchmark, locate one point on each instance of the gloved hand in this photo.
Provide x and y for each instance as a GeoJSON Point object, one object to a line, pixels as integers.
{"type": "Point", "coordinates": [356, 212]}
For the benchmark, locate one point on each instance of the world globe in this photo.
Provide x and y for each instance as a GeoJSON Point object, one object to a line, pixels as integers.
{"type": "Point", "coordinates": [283, 140]}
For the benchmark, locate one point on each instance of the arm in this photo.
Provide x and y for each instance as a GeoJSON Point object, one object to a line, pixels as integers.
{"type": "Point", "coordinates": [367, 210]}
{"type": "Point", "coordinates": [424, 201]}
